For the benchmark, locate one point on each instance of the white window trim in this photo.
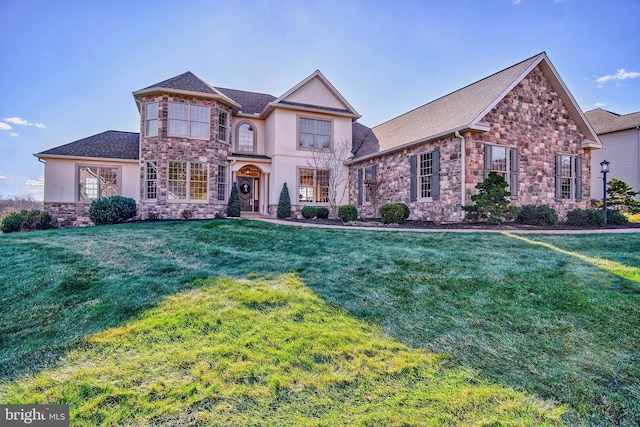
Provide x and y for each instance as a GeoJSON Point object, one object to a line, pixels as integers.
{"type": "Point", "coordinates": [255, 138]}
{"type": "Point", "coordinates": [154, 119]}
{"type": "Point", "coordinates": [146, 179]}
{"type": "Point", "coordinates": [419, 177]}
{"type": "Point", "coordinates": [314, 186]}
{"type": "Point", "coordinates": [188, 120]}
{"type": "Point", "coordinates": [226, 126]}
{"type": "Point", "coordinates": [188, 183]}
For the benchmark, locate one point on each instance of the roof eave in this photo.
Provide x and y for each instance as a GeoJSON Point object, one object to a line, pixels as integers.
{"type": "Point", "coordinates": [273, 105]}
{"type": "Point", "coordinates": [591, 145]}
{"type": "Point", "coordinates": [83, 158]}
{"type": "Point", "coordinates": [215, 96]}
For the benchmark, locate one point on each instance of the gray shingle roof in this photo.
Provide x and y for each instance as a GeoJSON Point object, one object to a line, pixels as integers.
{"type": "Point", "coordinates": [450, 112]}
{"type": "Point", "coordinates": [186, 81]}
{"type": "Point", "coordinates": [604, 121]}
{"type": "Point", "coordinates": [363, 140]}
{"type": "Point", "coordinates": [111, 144]}
{"type": "Point", "coordinates": [251, 102]}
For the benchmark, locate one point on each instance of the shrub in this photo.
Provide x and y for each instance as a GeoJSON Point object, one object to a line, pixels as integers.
{"type": "Point", "coordinates": [322, 212]}
{"type": "Point", "coordinates": [284, 203]}
{"type": "Point", "coordinates": [585, 218]}
{"type": "Point", "coordinates": [308, 212]}
{"type": "Point", "coordinates": [620, 196]}
{"type": "Point", "coordinates": [405, 211]}
{"type": "Point", "coordinates": [233, 205]}
{"type": "Point", "coordinates": [493, 199]}
{"type": "Point", "coordinates": [391, 213]}
{"type": "Point", "coordinates": [538, 215]}
{"type": "Point", "coordinates": [615, 217]}
{"type": "Point", "coordinates": [112, 210]}
{"type": "Point", "coordinates": [26, 221]}
{"type": "Point", "coordinates": [348, 213]}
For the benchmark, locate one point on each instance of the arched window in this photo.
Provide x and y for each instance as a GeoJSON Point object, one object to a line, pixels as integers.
{"type": "Point", "coordinates": [246, 138]}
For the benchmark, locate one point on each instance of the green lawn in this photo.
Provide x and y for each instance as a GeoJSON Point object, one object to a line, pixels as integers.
{"type": "Point", "coordinates": [136, 324]}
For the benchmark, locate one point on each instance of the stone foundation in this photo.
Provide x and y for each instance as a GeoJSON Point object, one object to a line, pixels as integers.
{"type": "Point", "coordinates": [68, 214]}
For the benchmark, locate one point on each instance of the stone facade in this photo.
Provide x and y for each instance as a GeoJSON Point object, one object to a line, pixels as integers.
{"type": "Point", "coordinates": [164, 149]}
{"type": "Point", "coordinates": [68, 214]}
{"type": "Point", "coordinates": [531, 118]}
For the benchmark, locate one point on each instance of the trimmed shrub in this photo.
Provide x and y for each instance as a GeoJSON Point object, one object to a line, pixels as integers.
{"type": "Point", "coordinates": [615, 217]}
{"type": "Point", "coordinates": [538, 215]}
{"type": "Point", "coordinates": [322, 212]}
{"type": "Point", "coordinates": [308, 212]}
{"type": "Point", "coordinates": [26, 221]}
{"type": "Point", "coordinates": [348, 213]}
{"type": "Point", "coordinates": [585, 218]}
{"type": "Point", "coordinates": [391, 213]}
{"type": "Point", "coordinates": [284, 203]}
{"type": "Point", "coordinates": [405, 211]}
{"type": "Point", "coordinates": [492, 201]}
{"type": "Point", "coordinates": [233, 205]}
{"type": "Point", "coordinates": [112, 210]}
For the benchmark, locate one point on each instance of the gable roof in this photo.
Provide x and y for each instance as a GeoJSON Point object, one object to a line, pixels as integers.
{"type": "Point", "coordinates": [111, 144]}
{"type": "Point", "coordinates": [250, 102]}
{"type": "Point", "coordinates": [604, 121]}
{"type": "Point", "coordinates": [466, 107]}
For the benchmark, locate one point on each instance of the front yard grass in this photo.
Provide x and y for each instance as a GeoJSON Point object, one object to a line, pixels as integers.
{"type": "Point", "coordinates": [559, 322]}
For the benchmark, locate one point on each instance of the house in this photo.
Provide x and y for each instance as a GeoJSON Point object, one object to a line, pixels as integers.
{"type": "Point", "coordinates": [521, 122]}
{"type": "Point", "coordinates": [196, 139]}
{"type": "Point", "coordinates": [620, 135]}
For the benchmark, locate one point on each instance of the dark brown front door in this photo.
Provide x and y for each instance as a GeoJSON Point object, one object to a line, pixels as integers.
{"type": "Point", "coordinates": [248, 192]}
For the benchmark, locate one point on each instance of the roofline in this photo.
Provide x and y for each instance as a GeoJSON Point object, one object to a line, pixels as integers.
{"type": "Point", "coordinates": [273, 105]}
{"type": "Point", "coordinates": [100, 159]}
{"type": "Point", "coordinates": [216, 96]}
{"type": "Point", "coordinates": [473, 127]}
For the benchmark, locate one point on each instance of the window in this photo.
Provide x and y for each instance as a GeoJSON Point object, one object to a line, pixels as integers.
{"type": "Point", "coordinates": [369, 175]}
{"type": "Point", "coordinates": [426, 175]}
{"type": "Point", "coordinates": [313, 186]}
{"type": "Point", "coordinates": [188, 120]}
{"type": "Point", "coordinates": [568, 177]}
{"type": "Point", "coordinates": [314, 133]}
{"type": "Point", "coordinates": [95, 182]}
{"type": "Point", "coordinates": [223, 125]}
{"type": "Point", "coordinates": [151, 180]}
{"type": "Point", "coordinates": [246, 138]}
{"type": "Point", "coordinates": [222, 183]}
{"type": "Point", "coordinates": [151, 127]}
{"type": "Point", "coordinates": [505, 162]}
{"type": "Point", "coordinates": [188, 181]}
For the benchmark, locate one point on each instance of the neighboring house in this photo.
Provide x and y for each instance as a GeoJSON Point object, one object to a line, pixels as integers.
{"type": "Point", "coordinates": [521, 122]}
{"type": "Point", "coordinates": [620, 135]}
{"type": "Point", "coordinates": [197, 139]}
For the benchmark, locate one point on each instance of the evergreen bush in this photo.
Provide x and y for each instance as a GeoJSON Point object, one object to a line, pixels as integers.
{"type": "Point", "coordinates": [615, 217]}
{"type": "Point", "coordinates": [112, 210]}
{"type": "Point", "coordinates": [284, 203]}
{"type": "Point", "coordinates": [26, 221]}
{"type": "Point", "coordinates": [348, 213]}
{"type": "Point", "coordinates": [492, 202]}
{"type": "Point", "coordinates": [233, 205]}
{"type": "Point", "coordinates": [322, 212]}
{"type": "Point", "coordinates": [391, 213]}
{"type": "Point", "coordinates": [308, 212]}
{"type": "Point", "coordinates": [585, 218]}
{"type": "Point", "coordinates": [538, 215]}
{"type": "Point", "coordinates": [405, 211]}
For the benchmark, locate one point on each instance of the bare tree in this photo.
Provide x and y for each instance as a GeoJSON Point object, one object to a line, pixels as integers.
{"type": "Point", "coordinates": [373, 186]}
{"type": "Point", "coordinates": [332, 159]}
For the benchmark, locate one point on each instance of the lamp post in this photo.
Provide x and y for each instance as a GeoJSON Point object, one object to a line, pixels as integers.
{"type": "Point", "coordinates": [604, 168]}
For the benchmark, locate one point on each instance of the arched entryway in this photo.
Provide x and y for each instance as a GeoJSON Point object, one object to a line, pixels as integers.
{"type": "Point", "coordinates": [248, 179]}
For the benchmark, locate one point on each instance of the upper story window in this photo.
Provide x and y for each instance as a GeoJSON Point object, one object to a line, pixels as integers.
{"type": "Point", "coordinates": [223, 125]}
{"type": "Point", "coordinates": [188, 120]}
{"type": "Point", "coordinates": [314, 133]}
{"type": "Point", "coordinates": [151, 124]}
{"type": "Point", "coordinates": [246, 138]}
{"type": "Point", "coordinates": [95, 182]}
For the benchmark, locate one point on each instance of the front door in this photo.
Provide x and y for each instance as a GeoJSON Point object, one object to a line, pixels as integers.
{"type": "Point", "coordinates": [248, 192]}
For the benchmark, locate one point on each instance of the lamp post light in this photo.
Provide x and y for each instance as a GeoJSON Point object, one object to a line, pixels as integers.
{"type": "Point", "coordinates": [604, 168]}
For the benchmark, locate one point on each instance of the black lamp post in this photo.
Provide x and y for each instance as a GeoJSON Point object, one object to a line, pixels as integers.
{"type": "Point", "coordinates": [604, 168]}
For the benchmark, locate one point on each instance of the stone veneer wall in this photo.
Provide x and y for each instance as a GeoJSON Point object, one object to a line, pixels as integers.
{"type": "Point", "coordinates": [163, 148]}
{"type": "Point", "coordinates": [68, 214]}
{"type": "Point", "coordinates": [532, 117]}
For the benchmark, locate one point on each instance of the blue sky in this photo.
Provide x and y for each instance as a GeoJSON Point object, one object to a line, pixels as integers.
{"type": "Point", "coordinates": [67, 68]}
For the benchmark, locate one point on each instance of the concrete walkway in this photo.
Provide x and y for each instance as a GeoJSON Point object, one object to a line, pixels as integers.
{"type": "Point", "coordinates": [447, 230]}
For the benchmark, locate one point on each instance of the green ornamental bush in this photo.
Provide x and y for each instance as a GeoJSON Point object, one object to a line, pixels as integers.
{"type": "Point", "coordinates": [26, 221]}
{"type": "Point", "coordinates": [405, 211]}
{"type": "Point", "coordinates": [322, 212]}
{"type": "Point", "coordinates": [348, 213]}
{"type": "Point", "coordinates": [284, 203]}
{"type": "Point", "coordinates": [112, 210]}
{"type": "Point", "coordinates": [615, 217]}
{"type": "Point", "coordinates": [391, 213]}
{"type": "Point", "coordinates": [308, 212]}
{"type": "Point", "coordinates": [538, 215]}
{"type": "Point", "coordinates": [585, 218]}
{"type": "Point", "coordinates": [233, 205]}
{"type": "Point", "coordinates": [492, 201]}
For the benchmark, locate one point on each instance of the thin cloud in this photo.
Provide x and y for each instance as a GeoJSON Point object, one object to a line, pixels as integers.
{"type": "Point", "coordinates": [599, 104]}
{"type": "Point", "coordinates": [516, 1]}
{"type": "Point", "coordinates": [622, 74]}
{"type": "Point", "coordinates": [4, 126]}
{"type": "Point", "coordinates": [13, 134]}
{"type": "Point", "coordinates": [2, 176]}
{"type": "Point", "coordinates": [35, 188]}
{"type": "Point", "coordinates": [17, 121]}
{"type": "Point", "coordinates": [40, 126]}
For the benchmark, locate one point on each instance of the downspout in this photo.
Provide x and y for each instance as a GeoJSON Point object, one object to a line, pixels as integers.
{"type": "Point", "coordinates": [463, 172]}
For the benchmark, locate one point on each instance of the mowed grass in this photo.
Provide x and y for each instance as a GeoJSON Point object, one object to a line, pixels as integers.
{"type": "Point", "coordinates": [559, 322]}
{"type": "Point", "coordinates": [265, 352]}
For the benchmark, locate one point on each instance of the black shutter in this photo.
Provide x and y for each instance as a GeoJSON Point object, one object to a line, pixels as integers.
{"type": "Point", "coordinates": [360, 186]}
{"type": "Point", "coordinates": [558, 177]}
{"type": "Point", "coordinates": [435, 184]}
{"type": "Point", "coordinates": [513, 173]}
{"type": "Point", "coordinates": [487, 160]}
{"type": "Point", "coordinates": [578, 179]}
{"type": "Point", "coordinates": [413, 160]}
